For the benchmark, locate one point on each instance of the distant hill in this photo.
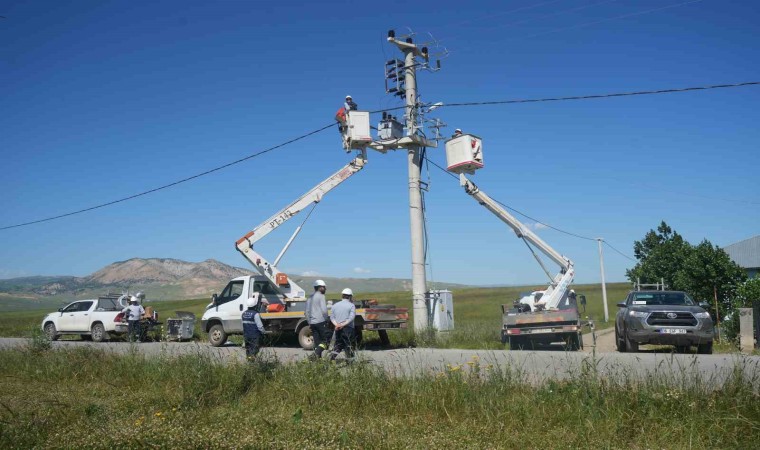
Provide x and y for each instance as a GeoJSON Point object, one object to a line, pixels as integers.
{"type": "Point", "coordinates": [163, 279]}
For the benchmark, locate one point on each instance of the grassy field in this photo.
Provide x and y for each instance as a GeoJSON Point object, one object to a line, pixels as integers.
{"type": "Point", "coordinates": [477, 314]}
{"type": "Point", "coordinates": [84, 398]}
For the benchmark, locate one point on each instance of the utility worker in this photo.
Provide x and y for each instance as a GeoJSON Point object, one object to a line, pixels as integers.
{"type": "Point", "coordinates": [343, 314]}
{"type": "Point", "coordinates": [457, 133]}
{"type": "Point", "coordinates": [134, 312]}
{"type": "Point", "coordinates": [340, 116]}
{"type": "Point", "coordinates": [583, 302]}
{"type": "Point", "coordinates": [349, 104]}
{"type": "Point", "coordinates": [318, 319]}
{"type": "Point", "coordinates": [253, 327]}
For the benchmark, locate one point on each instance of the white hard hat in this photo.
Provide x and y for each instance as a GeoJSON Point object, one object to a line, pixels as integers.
{"type": "Point", "coordinates": [319, 283]}
{"type": "Point", "coordinates": [134, 299]}
{"type": "Point", "coordinates": [348, 96]}
{"type": "Point", "coordinates": [253, 301]}
{"type": "Point", "coordinates": [347, 291]}
{"type": "Point", "coordinates": [572, 291]}
{"type": "Point", "coordinates": [458, 130]}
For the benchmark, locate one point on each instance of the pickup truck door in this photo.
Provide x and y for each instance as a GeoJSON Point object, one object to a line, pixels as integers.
{"type": "Point", "coordinates": [75, 317]}
{"type": "Point", "coordinates": [231, 305]}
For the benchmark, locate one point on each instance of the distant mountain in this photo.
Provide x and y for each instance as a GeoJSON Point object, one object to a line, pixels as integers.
{"type": "Point", "coordinates": [165, 278]}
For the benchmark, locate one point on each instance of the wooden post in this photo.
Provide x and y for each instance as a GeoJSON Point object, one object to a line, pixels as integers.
{"type": "Point", "coordinates": [717, 314]}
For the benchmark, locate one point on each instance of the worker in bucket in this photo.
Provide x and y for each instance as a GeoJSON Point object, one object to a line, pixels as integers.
{"type": "Point", "coordinates": [318, 319]}
{"type": "Point", "coordinates": [343, 314]}
{"type": "Point", "coordinates": [253, 327]}
{"type": "Point", "coordinates": [457, 133]}
{"type": "Point", "coordinates": [134, 312]}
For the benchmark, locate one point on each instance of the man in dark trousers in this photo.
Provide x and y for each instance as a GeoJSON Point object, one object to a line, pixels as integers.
{"type": "Point", "coordinates": [318, 320]}
{"type": "Point", "coordinates": [343, 314]}
{"type": "Point", "coordinates": [253, 327]}
{"type": "Point", "coordinates": [134, 312]}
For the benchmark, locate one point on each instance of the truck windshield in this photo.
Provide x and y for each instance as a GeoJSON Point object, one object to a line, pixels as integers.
{"type": "Point", "coordinates": [662, 298]}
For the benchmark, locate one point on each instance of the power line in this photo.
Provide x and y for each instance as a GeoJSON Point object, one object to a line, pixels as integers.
{"type": "Point", "coordinates": [618, 251]}
{"type": "Point", "coordinates": [184, 180]}
{"type": "Point", "coordinates": [611, 95]}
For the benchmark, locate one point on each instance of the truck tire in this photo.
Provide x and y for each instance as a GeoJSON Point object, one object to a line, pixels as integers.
{"type": "Point", "coordinates": [630, 346]}
{"type": "Point", "coordinates": [51, 332]}
{"type": "Point", "coordinates": [98, 333]}
{"type": "Point", "coordinates": [619, 343]}
{"type": "Point", "coordinates": [516, 343]}
{"type": "Point", "coordinates": [216, 335]}
{"type": "Point", "coordinates": [705, 349]}
{"type": "Point", "coordinates": [384, 339]}
{"type": "Point", "coordinates": [305, 339]}
{"type": "Point", "coordinates": [573, 342]}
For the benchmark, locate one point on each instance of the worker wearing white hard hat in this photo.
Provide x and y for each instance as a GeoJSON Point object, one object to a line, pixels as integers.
{"type": "Point", "coordinates": [349, 104]}
{"type": "Point", "coordinates": [253, 327]}
{"type": "Point", "coordinates": [318, 319]}
{"type": "Point", "coordinates": [133, 312]}
{"type": "Point", "coordinates": [457, 133]}
{"type": "Point", "coordinates": [343, 315]}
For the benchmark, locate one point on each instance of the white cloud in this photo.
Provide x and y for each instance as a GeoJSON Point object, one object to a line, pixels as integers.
{"type": "Point", "coordinates": [360, 270]}
{"type": "Point", "coordinates": [540, 226]}
{"type": "Point", "coordinates": [310, 273]}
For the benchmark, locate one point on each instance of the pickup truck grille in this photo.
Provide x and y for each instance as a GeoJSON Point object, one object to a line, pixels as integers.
{"type": "Point", "coordinates": [682, 319]}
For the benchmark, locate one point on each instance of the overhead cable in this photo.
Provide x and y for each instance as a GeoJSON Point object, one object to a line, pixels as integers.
{"type": "Point", "coordinates": [618, 251]}
{"type": "Point", "coordinates": [183, 180]}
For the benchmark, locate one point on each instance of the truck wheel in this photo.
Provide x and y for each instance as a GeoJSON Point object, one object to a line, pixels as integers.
{"type": "Point", "coordinates": [573, 343]}
{"type": "Point", "coordinates": [98, 333]}
{"type": "Point", "coordinates": [705, 349]}
{"type": "Point", "coordinates": [216, 335]}
{"type": "Point", "coordinates": [305, 339]}
{"type": "Point", "coordinates": [384, 339]}
{"type": "Point", "coordinates": [516, 343]}
{"type": "Point", "coordinates": [51, 332]}
{"type": "Point", "coordinates": [630, 346]}
{"type": "Point", "coordinates": [504, 338]}
{"type": "Point", "coordinates": [619, 343]}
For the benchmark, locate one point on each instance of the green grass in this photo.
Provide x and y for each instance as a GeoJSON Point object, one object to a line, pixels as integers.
{"type": "Point", "coordinates": [84, 398]}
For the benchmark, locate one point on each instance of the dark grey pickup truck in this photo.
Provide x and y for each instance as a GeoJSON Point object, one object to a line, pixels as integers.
{"type": "Point", "coordinates": [662, 318]}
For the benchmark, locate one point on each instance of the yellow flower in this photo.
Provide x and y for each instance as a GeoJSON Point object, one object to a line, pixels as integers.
{"type": "Point", "coordinates": [158, 414]}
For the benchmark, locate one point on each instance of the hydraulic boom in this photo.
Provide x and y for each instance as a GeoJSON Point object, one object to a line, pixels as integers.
{"type": "Point", "coordinates": [560, 282]}
{"type": "Point", "coordinates": [286, 287]}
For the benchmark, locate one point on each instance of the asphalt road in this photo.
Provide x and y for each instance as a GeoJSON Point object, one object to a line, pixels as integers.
{"type": "Point", "coordinates": [532, 366]}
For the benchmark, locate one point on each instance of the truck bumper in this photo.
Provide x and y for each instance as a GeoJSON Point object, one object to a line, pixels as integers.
{"type": "Point", "coordinates": [374, 326]}
{"type": "Point", "coordinates": [658, 337]}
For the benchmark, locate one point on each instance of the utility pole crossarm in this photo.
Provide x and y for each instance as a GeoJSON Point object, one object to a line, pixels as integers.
{"type": "Point", "coordinates": [244, 245]}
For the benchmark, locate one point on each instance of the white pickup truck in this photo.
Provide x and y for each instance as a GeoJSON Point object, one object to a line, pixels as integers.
{"type": "Point", "coordinates": [91, 319]}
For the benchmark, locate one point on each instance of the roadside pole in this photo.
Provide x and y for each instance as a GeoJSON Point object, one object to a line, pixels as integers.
{"type": "Point", "coordinates": [604, 285]}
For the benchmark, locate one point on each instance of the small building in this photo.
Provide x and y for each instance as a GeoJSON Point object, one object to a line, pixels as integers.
{"type": "Point", "coordinates": [746, 254]}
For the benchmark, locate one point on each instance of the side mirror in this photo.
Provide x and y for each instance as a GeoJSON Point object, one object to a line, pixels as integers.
{"type": "Point", "coordinates": [622, 305]}
{"type": "Point", "coordinates": [60, 309]}
{"type": "Point", "coordinates": [705, 306]}
{"type": "Point", "coordinates": [214, 301]}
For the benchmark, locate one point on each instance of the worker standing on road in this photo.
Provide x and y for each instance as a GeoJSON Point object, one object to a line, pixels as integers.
{"type": "Point", "coordinates": [583, 302]}
{"type": "Point", "coordinates": [318, 319]}
{"type": "Point", "coordinates": [253, 327]}
{"type": "Point", "coordinates": [343, 314]}
{"type": "Point", "coordinates": [134, 312]}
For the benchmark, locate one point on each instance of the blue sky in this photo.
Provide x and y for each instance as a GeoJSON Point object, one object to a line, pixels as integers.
{"type": "Point", "coordinates": [102, 100]}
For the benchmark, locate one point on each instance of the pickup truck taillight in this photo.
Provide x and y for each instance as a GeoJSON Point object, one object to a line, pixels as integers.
{"type": "Point", "coordinates": [118, 317]}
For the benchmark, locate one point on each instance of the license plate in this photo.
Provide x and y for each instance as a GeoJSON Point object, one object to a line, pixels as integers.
{"type": "Point", "coordinates": [672, 331]}
{"type": "Point", "coordinates": [542, 330]}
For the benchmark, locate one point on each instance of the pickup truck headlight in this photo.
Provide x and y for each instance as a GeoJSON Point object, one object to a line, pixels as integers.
{"type": "Point", "coordinates": [702, 315]}
{"type": "Point", "coordinates": [641, 314]}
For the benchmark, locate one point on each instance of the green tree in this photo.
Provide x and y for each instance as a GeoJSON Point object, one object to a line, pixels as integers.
{"type": "Point", "coordinates": [707, 271]}
{"type": "Point", "coordinates": [746, 293]}
{"type": "Point", "coordinates": [661, 253]}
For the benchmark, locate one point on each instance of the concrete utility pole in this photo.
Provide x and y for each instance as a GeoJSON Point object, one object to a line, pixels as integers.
{"type": "Point", "coordinates": [604, 285]}
{"type": "Point", "coordinates": [419, 281]}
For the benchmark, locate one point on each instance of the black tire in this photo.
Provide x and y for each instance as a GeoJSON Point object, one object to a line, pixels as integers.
{"type": "Point", "coordinates": [51, 332]}
{"type": "Point", "coordinates": [384, 339]}
{"type": "Point", "coordinates": [630, 346]}
{"type": "Point", "coordinates": [705, 349]}
{"type": "Point", "coordinates": [216, 335]}
{"type": "Point", "coordinates": [573, 343]}
{"type": "Point", "coordinates": [619, 342]}
{"type": "Point", "coordinates": [98, 333]}
{"type": "Point", "coordinates": [517, 343]}
{"type": "Point", "coordinates": [305, 338]}
{"type": "Point", "coordinates": [504, 338]}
